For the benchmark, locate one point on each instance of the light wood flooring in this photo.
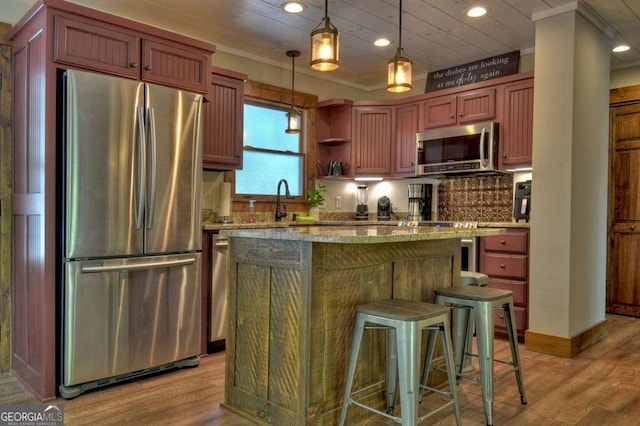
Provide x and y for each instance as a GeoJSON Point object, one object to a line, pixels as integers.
{"type": "Point", "coordinates": [601, 386]}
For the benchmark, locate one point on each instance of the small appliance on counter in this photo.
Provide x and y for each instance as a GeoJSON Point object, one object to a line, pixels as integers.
{"type": "Point", "coordinates": [384, 208]}
{"type": "Point", "coordinates": [522, 201]}
{"type": "Point", "coordinates": [362, 209]}
{"type": "Point", "coordinates": [420, 198]}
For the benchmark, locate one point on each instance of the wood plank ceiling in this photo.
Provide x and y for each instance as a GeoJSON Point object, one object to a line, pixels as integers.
{"type": "Point", "coordinates": [436, 34]}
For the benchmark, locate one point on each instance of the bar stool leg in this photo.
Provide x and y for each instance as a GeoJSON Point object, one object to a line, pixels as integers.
{"type": "Point", "coordinates": [460, 333]}
{"type": "Point", "coordinates": [484, 334]}
{"type": "Point", "coordinates": [447, 348]}
{"type": "Point", "coordinates": [509, 315]}
{"type": "Point", "coordinates": [353, 357]}
{"type": "Point", "coordinates": [408, 342]}
{"type": "Point", "coordinates": [431, 345]}
{"type": "Point", "coordinates": [392, 370]}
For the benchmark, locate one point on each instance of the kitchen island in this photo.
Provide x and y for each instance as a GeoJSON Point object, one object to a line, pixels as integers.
{"type": "Point", "coordinates": [292, 297]}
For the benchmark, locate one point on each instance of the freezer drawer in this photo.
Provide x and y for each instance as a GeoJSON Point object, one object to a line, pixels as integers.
{"type": "Point", "coordinates": [126, 315]}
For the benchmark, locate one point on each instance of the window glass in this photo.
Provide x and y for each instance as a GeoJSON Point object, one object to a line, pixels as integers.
{"type": "Point", "coordinates": [262, 171]}
{"type": "Point", "coordinates": [264, 128]}
{"type": "Point", "coordinates": [269, 153]}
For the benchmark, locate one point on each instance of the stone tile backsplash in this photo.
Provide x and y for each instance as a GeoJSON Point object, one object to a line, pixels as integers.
{"type": "Point", "coordinates": [481, 198]}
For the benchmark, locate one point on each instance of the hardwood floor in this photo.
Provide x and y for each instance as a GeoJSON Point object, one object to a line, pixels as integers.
{"type": "Point", "coordinates": [598, 387]}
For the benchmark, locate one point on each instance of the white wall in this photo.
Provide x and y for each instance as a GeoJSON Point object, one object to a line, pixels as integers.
{"type": "Point", "coordinates": [623, 77]}
{"type": "Point", "coordinates": [396, 190]}
{"type": "Point", "coordinates": [570, 138]}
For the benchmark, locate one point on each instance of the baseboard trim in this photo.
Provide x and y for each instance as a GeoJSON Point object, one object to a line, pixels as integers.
{"type": "Point", "coordinates": [565, 347]}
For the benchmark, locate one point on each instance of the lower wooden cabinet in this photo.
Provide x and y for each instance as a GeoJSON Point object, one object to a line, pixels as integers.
{"type": "Point", "coordinates": [505, 258]}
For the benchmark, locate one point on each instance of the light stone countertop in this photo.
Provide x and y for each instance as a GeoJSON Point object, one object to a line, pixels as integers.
{"type": "Point", "coordinates": [360, 234]}
{"type": "Point", "coordinates": [286, 224]}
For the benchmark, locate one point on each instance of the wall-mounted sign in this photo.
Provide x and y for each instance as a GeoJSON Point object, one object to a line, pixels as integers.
{"type": "Point", "coordinates": [473, 72]}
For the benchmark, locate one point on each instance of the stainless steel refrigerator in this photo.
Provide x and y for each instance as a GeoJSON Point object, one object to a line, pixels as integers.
{"type": "Point", "coordinates": [131, 230]}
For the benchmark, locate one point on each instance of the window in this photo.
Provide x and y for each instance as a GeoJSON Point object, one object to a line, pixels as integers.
{"type": "Point", "coordinates": [269, 153]}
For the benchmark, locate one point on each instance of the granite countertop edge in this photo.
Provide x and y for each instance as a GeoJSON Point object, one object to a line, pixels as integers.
{"type": "Point", "coordinates": [360, 234]}
{"type": "Point", "coordinates": [264, 225]}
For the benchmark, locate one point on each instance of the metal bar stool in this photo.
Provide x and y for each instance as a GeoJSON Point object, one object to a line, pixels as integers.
{"type": "Point", "coordinates": [467, 278]}
{"type": "Point", "coordinates": [404, 320]}
{"type": "Point", "coordinates": [483, 300]}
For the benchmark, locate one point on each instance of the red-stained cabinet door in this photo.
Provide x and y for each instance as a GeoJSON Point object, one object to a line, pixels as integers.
{"type": "Point", "coordinates": [373, 141]}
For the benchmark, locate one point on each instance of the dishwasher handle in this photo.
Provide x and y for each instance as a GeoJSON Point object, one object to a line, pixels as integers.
{"type": "Point", "coordinates": [221, 242]}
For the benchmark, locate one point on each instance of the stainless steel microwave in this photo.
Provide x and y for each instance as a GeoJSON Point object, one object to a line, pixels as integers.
{"type": "Point", "coordinates": [459, 149]}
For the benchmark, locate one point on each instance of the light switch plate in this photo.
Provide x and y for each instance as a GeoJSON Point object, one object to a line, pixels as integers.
{"type": "Point", "coordinates": [338, 202]}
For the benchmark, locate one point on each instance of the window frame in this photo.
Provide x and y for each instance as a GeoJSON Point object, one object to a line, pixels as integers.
{"type": "Point", "coordinates": [280, 98]}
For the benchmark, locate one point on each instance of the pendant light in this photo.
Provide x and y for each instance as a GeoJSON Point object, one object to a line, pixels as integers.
{"type": "Point", "coordinates": [325, 44]}
{"type": "Point", "coordinates": [294, 118]}
{"type": "Point", "coordinates": [399, 69]}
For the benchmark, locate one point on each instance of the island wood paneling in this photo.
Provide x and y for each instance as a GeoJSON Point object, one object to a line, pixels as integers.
{"type": "Point", "coordinates": [291, 315]}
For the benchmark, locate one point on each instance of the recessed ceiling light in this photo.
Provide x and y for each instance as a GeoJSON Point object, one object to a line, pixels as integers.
{"type": "Point", "coordinates": [621, 48]}
{"type": "Point", "coordinates": [475, 12]}
{"type": "Point", "coordinates": [382, 42]}
{"type": "Point", "coordinates": [293, 6]}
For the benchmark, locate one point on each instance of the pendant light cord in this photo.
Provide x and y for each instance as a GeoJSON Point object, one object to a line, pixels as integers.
{"type": "Point", "coordinates": [400, 29]}
{"type": "Point", "coordinates": [293, 72]}
{"type": "Point", "coordinates": [326, 9]}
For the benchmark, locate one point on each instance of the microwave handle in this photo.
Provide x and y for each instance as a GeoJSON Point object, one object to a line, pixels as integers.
{"type": "Point", "coordinates": [483, 159]}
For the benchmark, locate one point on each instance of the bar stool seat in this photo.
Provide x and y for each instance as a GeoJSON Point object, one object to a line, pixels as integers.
{"type": "Point", "coordinates": [482, 301]}
{"type": "Point", "coordinates": [404, 321]}
{"type": "Point", "coordinates": [474, 278]}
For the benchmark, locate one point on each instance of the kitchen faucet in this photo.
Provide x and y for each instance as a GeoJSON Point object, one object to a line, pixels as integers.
{"type": "Point", "coordinates": [280, 215]}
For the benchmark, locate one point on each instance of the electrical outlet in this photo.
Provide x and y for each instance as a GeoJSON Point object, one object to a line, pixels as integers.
{"type": "Point", "coordinates": [338, 202]}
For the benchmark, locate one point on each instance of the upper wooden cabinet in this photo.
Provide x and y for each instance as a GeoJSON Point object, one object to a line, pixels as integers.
{"type": "Point", "coordinates": [223, 121]}
{"type": "Point", "coordinates": [469, 107]}
{"type": "Point", "coordinates": [516, 127]}
{"type": "Point", "coordinates": [406, 128]}
{"type": "Point", "coordinates": [112, 49]}
{"type": "Point", "coordinates": [373, 140]}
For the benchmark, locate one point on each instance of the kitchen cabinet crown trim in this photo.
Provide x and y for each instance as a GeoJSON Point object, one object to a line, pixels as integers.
{"type": "Point", "coordinates": [107, 18]}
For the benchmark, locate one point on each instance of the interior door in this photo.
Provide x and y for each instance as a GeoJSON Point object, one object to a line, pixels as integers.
{"type": "Point", "coordinates": [623, 266]}
{"type": "Point", "coordinates": [174, 170]}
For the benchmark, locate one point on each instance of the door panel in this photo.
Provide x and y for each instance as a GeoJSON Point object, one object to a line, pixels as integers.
{"type": "Point", "coordinates": [100, 157]}
{"type": "Point", "coordinates": [174, 165]}
{"type": "Point", "coordinates": [623, 266]}
{"type": "Point", "coordinates": [126, 320]}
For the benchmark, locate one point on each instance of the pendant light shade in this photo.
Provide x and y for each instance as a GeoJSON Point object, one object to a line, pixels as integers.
{"type": "Point", "coordinates": [399, 69]}
{"type": "Point", "coordinates": [325, 44]}
{"type": "Point", "coordinates": [294, 118]}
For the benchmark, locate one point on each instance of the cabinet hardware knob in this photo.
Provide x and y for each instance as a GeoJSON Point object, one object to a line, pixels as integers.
{"type": "Point", "coordinates": [632, 227]}
{"type": "Point", "coordinates": [147, 68]}
{"type": "Point", "coordinates": [461, 115]}
{"type": "Point", "coordinates": [412, 163]}
{"type": "Point", "coordinates": [452, 116]}
{"type": "Point", "coordinates": [503, 242]}
{"type": "Point", "coordinates": [502, 266]}
{"type": "Point", "coordinates": [133, 64]}
{"type": "Point", "coordinates": [504, 155]}
{"type": "Point", "coordinates": [501, 316]}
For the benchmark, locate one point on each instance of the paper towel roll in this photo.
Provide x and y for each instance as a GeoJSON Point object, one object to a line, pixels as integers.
{"type": "Point", "coordinates": [224, 199]}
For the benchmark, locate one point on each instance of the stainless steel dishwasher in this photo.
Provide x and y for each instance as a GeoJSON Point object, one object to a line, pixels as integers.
{"type": "Point", "coordinates": [218, 315]}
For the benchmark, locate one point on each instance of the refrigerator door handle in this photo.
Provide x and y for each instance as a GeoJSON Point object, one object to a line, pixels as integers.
{"type": "Point", "coordinates": [153, 157]}
{"type": "Point", "coordinates": [138, 266]}
{"type": "Point", "coordinates": [142, 166]}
